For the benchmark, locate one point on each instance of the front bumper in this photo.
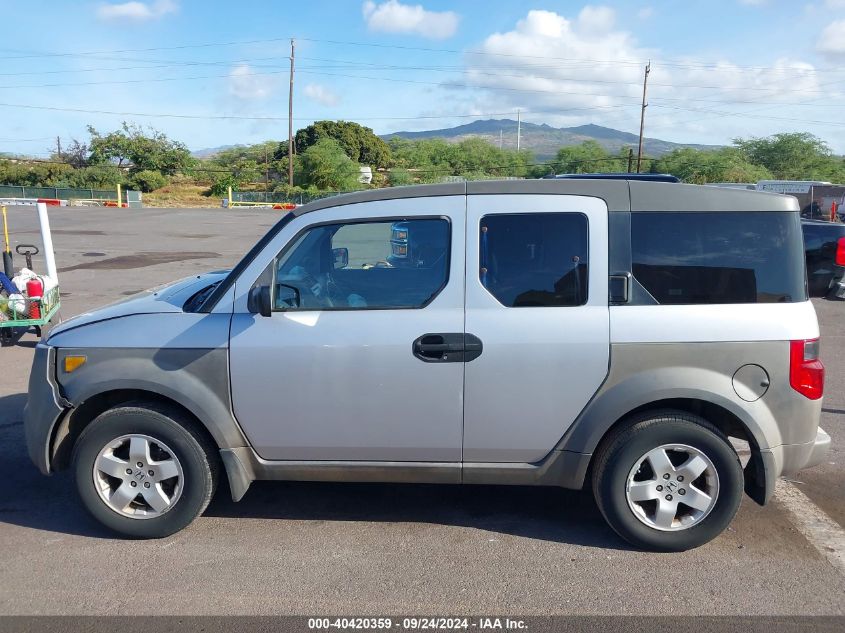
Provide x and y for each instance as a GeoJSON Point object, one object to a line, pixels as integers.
{"type": "Point", "coordinates": [44, 407]}
{"type": "Point", "coordinates": [788, 459]}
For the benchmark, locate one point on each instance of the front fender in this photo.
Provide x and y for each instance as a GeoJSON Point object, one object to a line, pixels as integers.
{"type": "Point", "coordinates": [181, 356]}
{"type": "Point", "coordinates": [196, 379]}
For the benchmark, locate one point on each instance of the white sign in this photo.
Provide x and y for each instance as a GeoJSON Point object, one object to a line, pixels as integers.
{"type": "Point", "coordinates": [788, 186]}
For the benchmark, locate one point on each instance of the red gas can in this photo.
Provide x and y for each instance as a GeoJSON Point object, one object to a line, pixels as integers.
{"type": "Point", "coordinates": [34, 288]}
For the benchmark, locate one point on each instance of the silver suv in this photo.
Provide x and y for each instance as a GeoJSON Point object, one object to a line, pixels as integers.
{"type": "Point", "coordinates": [604, 333]}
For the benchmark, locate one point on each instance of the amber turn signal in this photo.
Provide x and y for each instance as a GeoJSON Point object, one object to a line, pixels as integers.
{"type": "Point", "coordinates": [73, 363]}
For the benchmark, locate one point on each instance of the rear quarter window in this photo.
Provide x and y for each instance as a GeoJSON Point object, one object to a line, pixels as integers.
{"type": "Point", "coordinates": [719, 257]}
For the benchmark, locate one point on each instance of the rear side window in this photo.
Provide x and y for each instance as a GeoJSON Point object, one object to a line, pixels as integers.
{"type": "Point", "coordinates": [699, 258]}
{"type": "Point", "coordinates": [534, 259]}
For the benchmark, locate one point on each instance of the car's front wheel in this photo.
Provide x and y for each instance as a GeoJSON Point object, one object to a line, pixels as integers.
{"type": "Point", "coordinates": [144, 470]}
{"type": "Point", "coordinates": [668, 481]}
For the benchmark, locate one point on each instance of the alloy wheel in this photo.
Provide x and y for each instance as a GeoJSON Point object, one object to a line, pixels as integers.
{"type": "Point", "coordinates": [138, 476]}
{"type": "Point", "coordinates": [672, 487]}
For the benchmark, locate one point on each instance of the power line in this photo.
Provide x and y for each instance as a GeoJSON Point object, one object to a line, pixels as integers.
{"type": "Point", "coordinates": [26, 140]}
{"type": "Point", "coordinates": [310, 72]}
{"type": "Point", "coordinates": [668, 61]}
{"type": "Point", "coordinates": [446, 84]}
{"type": "Point", "coordinates": [276, 118]}
{"type": "Point", "coordinates": [347, 64]}
{"type": "Point", "coordinates": [32, 55]}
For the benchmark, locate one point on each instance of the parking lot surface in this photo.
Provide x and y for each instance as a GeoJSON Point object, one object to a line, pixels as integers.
{"type": "Point", "coordinates": [367, 549]}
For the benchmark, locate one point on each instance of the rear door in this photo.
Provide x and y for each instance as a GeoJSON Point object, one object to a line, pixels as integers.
{"type": "Point", "coordinates": [536, 297]}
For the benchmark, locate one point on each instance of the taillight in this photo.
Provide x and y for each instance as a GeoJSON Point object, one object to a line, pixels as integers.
{"type": "Point", "coordinates": [806, 372]}
{"type": "Point", "coordinates": [840, 252]}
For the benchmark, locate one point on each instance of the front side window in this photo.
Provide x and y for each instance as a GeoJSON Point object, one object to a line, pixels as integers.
{"type": "Point", "coordinates": [719, 257]}
{"type": "Point", "coordinates": [534, 259]}
{"type": "Point", "coordinates": [364, 265]}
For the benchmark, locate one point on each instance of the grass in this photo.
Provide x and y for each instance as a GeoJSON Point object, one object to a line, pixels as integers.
{"type": "Point", "coordinates": [181, 195]}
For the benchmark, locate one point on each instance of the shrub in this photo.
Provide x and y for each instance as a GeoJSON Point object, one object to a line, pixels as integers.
{"type": "Point", "coordinates": [221, 184]}
{"type": "Point", "coordinates": [147, 180]}
{"type": "Point", "coordinates": [399, 177]}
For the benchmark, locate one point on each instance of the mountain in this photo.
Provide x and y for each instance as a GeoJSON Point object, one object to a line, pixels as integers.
{"type": "Point", "coordinates": [208, 152]}
{"type": "Point", "coordinates": [544, 140]}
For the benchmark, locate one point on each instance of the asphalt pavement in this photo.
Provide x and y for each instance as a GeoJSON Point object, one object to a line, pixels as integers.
{"type": "Point", "coordinates": [313, 548]}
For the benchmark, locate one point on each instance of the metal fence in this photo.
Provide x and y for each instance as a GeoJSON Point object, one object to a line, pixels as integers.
{"type": "Point", "coordinates": [60, 193]}
{"type": "Point", "coordinates": [272, 197]}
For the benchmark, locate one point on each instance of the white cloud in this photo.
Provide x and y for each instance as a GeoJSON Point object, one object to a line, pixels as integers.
{"type": "Point", "coordinates": [835, 4]}
{"type": "Point", "coordinates": [394, 17]}
{"type": "Point", "coordinates": [596, 20]}
{"type": "Point", "coordinates": [137, 11]}
{"type": "Point", "coordinates": [321, 95]}
{"type": "Point", "coordinates": [831, 42]}
{"type": "Point", "coordinates": [244, 84]}
{"type": "Point", "coordinates": [645, 13]}
{"type": "Point", "coordinates": [586, 68]}
{"type": "Point", "coordinates": [553, 61]}
{"type": "Point", "coordinates": [753, 3]}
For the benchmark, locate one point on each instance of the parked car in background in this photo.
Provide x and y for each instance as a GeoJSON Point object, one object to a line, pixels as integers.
{"type": "Point", "coordinates": [609, 334]}
{"type": "Point", "coordinates": [824, 246]}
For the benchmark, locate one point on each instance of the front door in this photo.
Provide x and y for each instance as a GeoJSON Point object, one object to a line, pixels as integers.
{"type": "Point", "coordinates": [536, 296]}
{"type": "Point", "coordinates": [341, 371]}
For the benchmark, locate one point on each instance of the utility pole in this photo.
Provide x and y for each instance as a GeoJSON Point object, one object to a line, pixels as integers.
{"type": "Point", "coordinates": [518, 129]}
{"type": "Point", "coordinates": [59, 147]}
{"type": "Point", "coordinates": [630, 158]}
{"type": "Point", "coordinates": [642, 116]}
{"type": "Point", "coordinates": [290, 117]}
{"type": "Point", "coordinates": [501, 140]}
{"type": "Point", "coordinates": [266, 169]}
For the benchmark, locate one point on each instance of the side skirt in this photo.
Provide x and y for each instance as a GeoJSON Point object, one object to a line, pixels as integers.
{"type": "Point", "coordinates": [560, 468]}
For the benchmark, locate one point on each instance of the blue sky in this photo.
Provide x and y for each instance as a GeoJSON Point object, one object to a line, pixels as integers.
{"type": "Point", "coordinates": [719, 69]}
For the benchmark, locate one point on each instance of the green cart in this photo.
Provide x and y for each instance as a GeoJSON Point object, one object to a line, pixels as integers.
{"type": "Point", "coordinates": [13, 322]}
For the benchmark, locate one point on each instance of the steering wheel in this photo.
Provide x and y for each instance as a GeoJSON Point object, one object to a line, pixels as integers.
{"type": "Point", "coordinates": [309, 284]}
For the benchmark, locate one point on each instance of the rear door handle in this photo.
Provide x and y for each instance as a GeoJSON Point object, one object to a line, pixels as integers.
{"type": "Point", "coordinates": [450, 347]}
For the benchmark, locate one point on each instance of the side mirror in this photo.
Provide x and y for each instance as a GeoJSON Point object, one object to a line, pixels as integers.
{"type": "Point", "coordinates": [259, 301]}
{"type": "Point", "coordinates": [340, 257]}
{"type": "Point", "coordinates": [287, 297]}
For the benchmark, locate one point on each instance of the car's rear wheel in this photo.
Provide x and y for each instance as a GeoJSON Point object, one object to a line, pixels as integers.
{"type": "Point", "coordinates": [668, 481]}
{"type": "Point", "coordinates": [144, 470]}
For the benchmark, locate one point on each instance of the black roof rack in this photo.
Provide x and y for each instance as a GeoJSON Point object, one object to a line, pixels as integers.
{"type": "Point", "coordinates": [619, 176]}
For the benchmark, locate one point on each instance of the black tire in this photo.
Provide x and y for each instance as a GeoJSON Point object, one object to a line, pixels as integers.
{"type": "Point", "coordinates": [195, 453]}
{"type": "Point", "coordinates": [618, 455]}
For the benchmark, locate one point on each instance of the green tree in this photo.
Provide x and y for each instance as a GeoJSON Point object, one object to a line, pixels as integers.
{"type": "Point", "coordinates": [251, 163]}
{"type": "Point", "coordinates": [142, 149]}
{"type": "Point", "coordinates": [435, 159]}
{"type": "Point", "coordinates": [793, 156]}
{"type": "Point", "coordinates": [326, 166]}
{"type": "Point", "coordinates": [220, 185]}
{"type": "Point", "coordinates": [700, 167]}
{"type": "Point", "coordinates": [588, 157]}
{"type": "Point", "coordinates": [358, 142]}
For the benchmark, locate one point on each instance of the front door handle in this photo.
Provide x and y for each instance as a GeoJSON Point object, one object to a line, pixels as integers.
{"type": "Point", "coordinates": [450, 347]}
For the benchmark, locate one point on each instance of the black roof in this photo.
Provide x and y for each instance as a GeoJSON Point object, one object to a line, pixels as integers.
{"type": "Point", "coordinates": [625, 195]}
{"type": "Point", "coordinates": [619, 176]}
